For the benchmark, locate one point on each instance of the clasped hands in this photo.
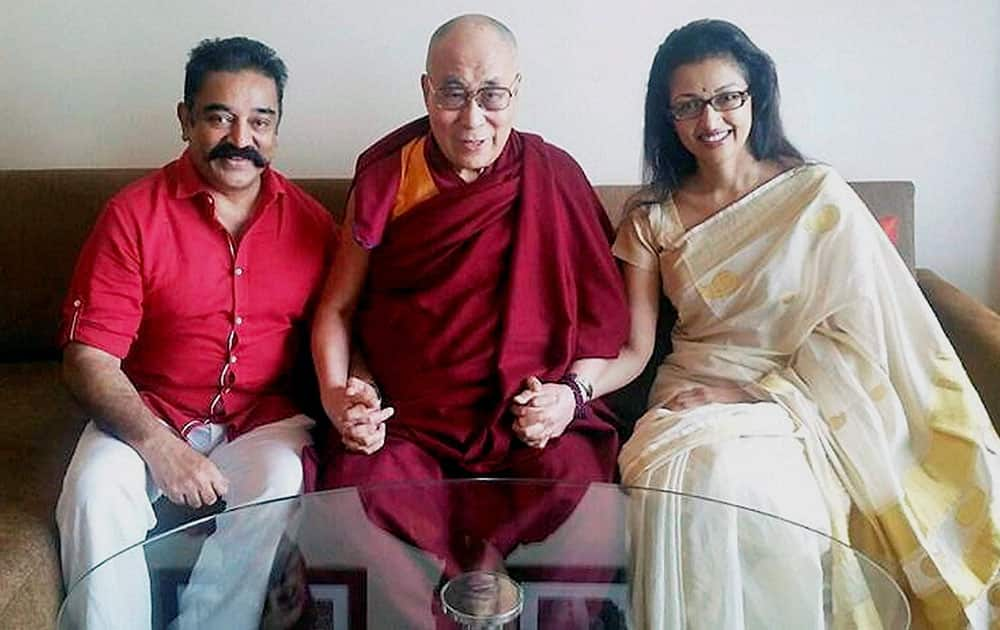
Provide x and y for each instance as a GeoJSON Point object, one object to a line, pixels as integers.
{"type": "Point", "coordinates": [542, 411]}
{"type": "Point", "coordinates": [356, 412]}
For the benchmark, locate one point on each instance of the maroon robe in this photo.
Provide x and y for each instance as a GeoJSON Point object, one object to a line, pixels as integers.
{"type": "Point", "coordinates": [469, 293]}
{"type": "Point", "coordinates": [478, 288]}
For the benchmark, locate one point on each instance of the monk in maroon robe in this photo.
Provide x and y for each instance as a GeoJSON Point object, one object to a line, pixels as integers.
{"type": "Point", "coordinates": [480, 266]}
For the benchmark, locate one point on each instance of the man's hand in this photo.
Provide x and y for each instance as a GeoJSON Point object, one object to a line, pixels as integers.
{"type": "Point", "coordinates": [357, 414]}
{"type": "Point", "coordinates": [542, 411]}
{"type": "Point", "coordinates": [700, 395]}
{"type": "Point", "coordinates": [95, 378]}
{"type": "Point", "coordinates": [184, 475]}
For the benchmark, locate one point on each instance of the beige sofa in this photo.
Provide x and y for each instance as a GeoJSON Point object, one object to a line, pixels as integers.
{"type": "Point", "coordinates": [44, 217]}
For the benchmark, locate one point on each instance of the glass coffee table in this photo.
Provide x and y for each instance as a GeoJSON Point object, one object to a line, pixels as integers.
{"type": "Point", "coordinates": [488, 553]}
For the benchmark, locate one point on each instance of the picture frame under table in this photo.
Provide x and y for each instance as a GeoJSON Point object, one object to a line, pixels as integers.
{"type": "Point", "coordinates": [337, 600]}
{"type": "Point", "coordinates": [590, 597]}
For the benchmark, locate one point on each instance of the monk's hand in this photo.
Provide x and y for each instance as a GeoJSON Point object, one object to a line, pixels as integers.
{"type": "Point", "coordinates": [357, 413]}
{"type": "Point", "coordinates": [185, 476]}
{"type": "Point", "coordinates": [364, 437]}
{"type": "Point", "coordinates": [542, 411]}
{"type": "Point", "coordinates": [700, 395]}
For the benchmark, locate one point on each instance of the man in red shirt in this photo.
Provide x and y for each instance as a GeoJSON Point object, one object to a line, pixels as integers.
{"type": "Point", "coordinates": [187, 309]}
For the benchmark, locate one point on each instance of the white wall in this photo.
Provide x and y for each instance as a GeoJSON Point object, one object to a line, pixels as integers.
{"type": "Point", "coordinates": [882, 90]}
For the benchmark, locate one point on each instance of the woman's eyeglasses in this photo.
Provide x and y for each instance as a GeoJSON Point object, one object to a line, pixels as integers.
{"type": "Point", "coordinates": [691, 108]}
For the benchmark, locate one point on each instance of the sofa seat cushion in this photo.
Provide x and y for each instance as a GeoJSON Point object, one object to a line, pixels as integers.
{"type": "Point", "coordinates": [37, 410]}
{"type": "Point", "coordinates": [38, 431]}
{"type": "Point", "coordinates": [30, 570]}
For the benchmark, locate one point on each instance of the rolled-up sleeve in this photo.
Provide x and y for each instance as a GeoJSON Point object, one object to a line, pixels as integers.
{"type": "Point", "coordinates": [103, 308]}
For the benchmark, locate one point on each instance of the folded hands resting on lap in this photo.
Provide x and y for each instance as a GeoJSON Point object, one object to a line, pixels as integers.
{"type": "Point", "coordinates": [542, 411]}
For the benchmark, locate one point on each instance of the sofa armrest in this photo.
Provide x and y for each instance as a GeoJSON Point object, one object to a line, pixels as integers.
{"type": "Point", "coordinates": [974, 330]}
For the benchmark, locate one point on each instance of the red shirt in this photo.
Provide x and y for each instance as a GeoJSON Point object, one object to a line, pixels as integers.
{"type": "Point", "coordinates": [208, 327]}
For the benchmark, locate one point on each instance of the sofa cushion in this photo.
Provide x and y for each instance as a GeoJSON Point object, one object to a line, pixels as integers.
{"type": "Point", "coordinates": [45, 215]}
{"type": "Point", "coordinates": [890, 225]}
{"type": "Point", "coordinates": [37, 410]}
{"type": "Point", "coordinates": [892, 198]}
{"type": "Point", "coordinates": [30, 569]}
{"type": "Point", "coordinates": [41, 424]}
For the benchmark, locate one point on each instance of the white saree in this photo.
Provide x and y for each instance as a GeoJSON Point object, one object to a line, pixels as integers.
{"type": "Point", "coordinates": [866, 425]}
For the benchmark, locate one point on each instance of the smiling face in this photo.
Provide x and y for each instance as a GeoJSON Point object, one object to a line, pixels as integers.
{"type": "Point", "coordinates": [232, 128]}
{"type": "Point", "coordinates": [712, 137]}
{"type": "Point", "coordinates": [469, 57]}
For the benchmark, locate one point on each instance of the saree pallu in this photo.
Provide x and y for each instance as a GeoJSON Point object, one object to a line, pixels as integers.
{"type": "Point", "coordinates": [795, 294]}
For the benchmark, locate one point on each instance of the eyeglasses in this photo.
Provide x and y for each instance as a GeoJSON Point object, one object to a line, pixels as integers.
{"type": "Point", "coordinates": [721, 102]}
{"type": "Point", "coordinates": [492, 98]}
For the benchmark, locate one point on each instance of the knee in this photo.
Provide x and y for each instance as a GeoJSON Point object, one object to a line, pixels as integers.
{"type": "Point", "coordinates": [346, 469]}
{"type": "Point", "coordinates": [574, 458]}
{"type": "Point", "coordinates": [711, 467]}
{"type": "Point", "coordinates": [280, 476]}
{"type": "Point", "coordinates": [397, 460]}
{"type": "Point", "coordinates": [110, 473]}
{"type": "Point", "coordinates": [97, 489]}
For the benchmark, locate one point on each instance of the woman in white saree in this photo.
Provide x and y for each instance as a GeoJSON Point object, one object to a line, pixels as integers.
{"type": "Point", "coordinates": [808, 378]}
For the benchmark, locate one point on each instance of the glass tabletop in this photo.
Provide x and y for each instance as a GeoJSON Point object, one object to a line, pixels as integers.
{"type": "Point", "coordinates": [488, 553]}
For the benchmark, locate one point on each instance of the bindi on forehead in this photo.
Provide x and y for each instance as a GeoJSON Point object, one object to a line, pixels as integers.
{"type": "Point", "coordinates": [704, 91]}
{"type": "Point", "coordinates": [703, 80]}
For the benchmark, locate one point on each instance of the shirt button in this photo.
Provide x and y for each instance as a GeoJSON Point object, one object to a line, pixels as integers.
{"type": "Point", "coordinates": [238, 320]}
{"type": "Point", "coordinates": [77, 303]}
{"type": "Point", "coordinates": [238, 271]}
{"type": "Point", "coordinates": [232, 359]}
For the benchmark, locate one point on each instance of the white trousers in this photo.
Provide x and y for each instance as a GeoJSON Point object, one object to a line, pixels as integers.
{"type": "Point", "coordinates": [106, 506]}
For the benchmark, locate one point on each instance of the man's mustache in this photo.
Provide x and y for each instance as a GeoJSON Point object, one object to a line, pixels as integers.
{"type": "Point", "coordinates": [227, 150]}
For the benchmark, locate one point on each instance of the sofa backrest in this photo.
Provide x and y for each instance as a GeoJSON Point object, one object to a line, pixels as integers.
{"type": "Point", "coordinates": [45, 216]}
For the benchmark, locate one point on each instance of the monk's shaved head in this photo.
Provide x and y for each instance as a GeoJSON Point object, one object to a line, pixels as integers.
{"type": "Point", "coordinates": [468, 55]}
{"type": "Point", "coordinates": [471, 21]}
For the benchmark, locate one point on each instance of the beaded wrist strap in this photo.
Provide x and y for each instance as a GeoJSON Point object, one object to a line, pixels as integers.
{"type": "Point", "coordinates": [582, 392]}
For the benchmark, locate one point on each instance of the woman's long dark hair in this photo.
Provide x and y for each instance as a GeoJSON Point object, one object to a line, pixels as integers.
{"type": "Point", "coordinates": [667, 162]}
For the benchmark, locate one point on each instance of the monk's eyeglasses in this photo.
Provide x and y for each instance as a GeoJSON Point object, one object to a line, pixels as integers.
{"type": "Point", "coordinates": [492, 98]}
{"type": "Point", "coordinates": [691, 108]}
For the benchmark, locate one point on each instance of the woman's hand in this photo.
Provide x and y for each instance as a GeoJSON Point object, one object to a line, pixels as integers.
{"type": "Point", "coordinates": [356, 412]}
{"type": "Point", "coordinates": [700, 395]}
{"type": "Point", "coordinates": [542, 411]}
